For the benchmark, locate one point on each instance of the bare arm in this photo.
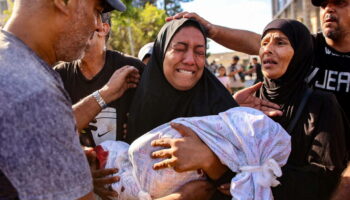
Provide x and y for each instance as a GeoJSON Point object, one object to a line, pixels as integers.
{"type": "Point", "coordinates": [236, 39]}
{"type": "Point", "coordinates": [122, 79]}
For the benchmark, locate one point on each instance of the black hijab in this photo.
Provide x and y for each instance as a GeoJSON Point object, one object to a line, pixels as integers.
{"type": "Point", "coordinates": [156, 101]}
{"type": "Point", "coordinates": [288, 90]}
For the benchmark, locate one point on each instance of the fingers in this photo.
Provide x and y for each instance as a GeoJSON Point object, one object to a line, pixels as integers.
{"type": "Point", "coordinates": [101, 182]}
{"type": "Point", "coordinates": [106, 181]}
{"type": "Point", "coordinates": [103, 172]}
{"type": "Point", "coordinates": [131, 85]}
{"type": "Point", "coordinates": [132, 72]}
{"type": "Point", "coordinates": [183, 130]}
{"type": "Point", "coordinates": [128, 71]}
{"type": "Point", "coordinates": [269, 104]}
{"type": "Point", "coordinates": [252, 89]}
{"type": "Point", "coordinates": [165, 153]}
{"type": "Point", "coordinates": [273, 113]}
{"type": "Point", "coordinates": [105, 194]}
{"type": "Point", "coordinates": [92, 127]}
{"type": "Point", "coordinates": [177, 16]}
{"type": "Point", "coordinates": [165, 164]}
{"type": "Point", "coordinates": [91, 157]}
{"type": "Point", "coordinates": [163, 142]}
{"type": "Point", "coordinates": [133, 79]}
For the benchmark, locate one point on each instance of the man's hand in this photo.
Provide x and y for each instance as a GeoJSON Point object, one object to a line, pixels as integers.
{"type": "Point", "coordinates": [121, 80]}
{"type": "Point", "coordinates": [245, 97]}
{"type": "Point", "coordinates": [102, 182]}
{"type": "Point", "coordinates": [193, 190]}
{"type": "Point", "coordinates": [211, 29]}
{"type": "Point", "coordinates": [187, 153]}
{"type": "Point", "coordinates": [102, 178]}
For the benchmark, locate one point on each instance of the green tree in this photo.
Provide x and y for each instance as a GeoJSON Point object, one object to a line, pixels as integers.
{"type": "Point", "coordinates": [170, 6]}
{"type": "Point", "coordinates": [141, 3]}
{"type": "Point", "coordinates": [8, 12]}
{"type": "Point", "coordinates": [173, 6]}
{"type": "Point", "coordinates": [135, 27]}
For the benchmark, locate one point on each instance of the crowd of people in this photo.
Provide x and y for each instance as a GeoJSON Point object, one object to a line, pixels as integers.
{"type": "Point", "coordinates": [63, 93]}
{"type": "Point", "coordinates": [234, 76]}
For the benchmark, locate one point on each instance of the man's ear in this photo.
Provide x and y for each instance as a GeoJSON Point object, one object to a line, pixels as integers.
{"type": "Point", "coordinates": [105, 30]}
{"type": "Point", "coordinates": [62, 5]}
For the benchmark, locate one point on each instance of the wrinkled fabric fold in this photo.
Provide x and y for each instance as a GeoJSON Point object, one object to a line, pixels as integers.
{"type": "Point", "coordinates": [240, 137]}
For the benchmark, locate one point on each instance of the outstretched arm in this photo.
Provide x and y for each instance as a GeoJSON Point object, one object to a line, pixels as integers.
{"type": "Point", "coordinates": [236, 39]}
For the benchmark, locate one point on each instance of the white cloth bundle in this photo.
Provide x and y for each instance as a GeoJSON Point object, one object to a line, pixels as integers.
{"type": "Point", "coordinates": [244, 139]}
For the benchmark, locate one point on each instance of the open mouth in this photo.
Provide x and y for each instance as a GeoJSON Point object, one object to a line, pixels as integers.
{"type": "Point", "coordinates": [330, 18]}
{"type": "Point", "coordinates": [184, 71]}
{"type": "Point", "coordinates": [269, 61]}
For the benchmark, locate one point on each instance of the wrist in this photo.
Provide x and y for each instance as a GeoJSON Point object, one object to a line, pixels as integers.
{"type": "Point", "coordinates": [107, 95]}
{"type": "Point", "coordinates": [99, 99]}
{"type": "Point", "coordinates": [212, 30]}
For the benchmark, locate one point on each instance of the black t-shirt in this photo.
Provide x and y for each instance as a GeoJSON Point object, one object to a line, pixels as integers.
{"type": "Point", "coordinates": [109, 122]}
{"type": "Point", "coordinates": [331, 72]}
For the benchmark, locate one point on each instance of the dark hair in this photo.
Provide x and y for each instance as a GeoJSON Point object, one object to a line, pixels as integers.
{"type": "Point", "coordinates": [221, 68]}
{"type": "Point", "coordinates": [255, 58]}
{"type": "Point", "coordinates": [235, 58]}
{"type": "Point", "coordinates": [106, 18]}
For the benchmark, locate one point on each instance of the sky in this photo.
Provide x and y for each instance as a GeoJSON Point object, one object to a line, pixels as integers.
{"type": "Point", "coordinates": [252, 15]}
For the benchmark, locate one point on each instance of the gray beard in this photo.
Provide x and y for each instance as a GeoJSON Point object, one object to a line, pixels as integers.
{"type": "Point", "coordinates": [333, 35]}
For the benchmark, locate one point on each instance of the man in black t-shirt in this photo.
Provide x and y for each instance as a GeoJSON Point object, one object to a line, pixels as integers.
{"type": "Point", "coordinates": [256, 67]}
{"type": "Point", "coordinates": [331, 67]}
{"type": "Point", "coordinates": [83, 77]}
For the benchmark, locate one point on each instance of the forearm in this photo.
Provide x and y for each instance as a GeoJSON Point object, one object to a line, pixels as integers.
{"type": "Point", "coordinates": [87, 109]}
{"type": "Point", "coordinates": [239, 40]}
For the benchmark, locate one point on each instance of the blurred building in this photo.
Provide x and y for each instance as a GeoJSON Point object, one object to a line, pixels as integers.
{"type": "Point", "coordinates": [301, 10]}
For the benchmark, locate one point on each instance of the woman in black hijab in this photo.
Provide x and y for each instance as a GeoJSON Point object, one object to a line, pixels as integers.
{"type": "Point", "coordinates": [319, 152]}
{"type": "Point", "coordinates": [170, 89]}
{"type": "Point", "coordinates": [175, 82]}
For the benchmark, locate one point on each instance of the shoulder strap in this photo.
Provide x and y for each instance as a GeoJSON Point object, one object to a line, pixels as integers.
{"type": "Point", "coordinates": [303, 102]}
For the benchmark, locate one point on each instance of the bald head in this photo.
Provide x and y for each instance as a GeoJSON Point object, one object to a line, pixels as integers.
{"type": "Point", "coordinates": [57, 29]}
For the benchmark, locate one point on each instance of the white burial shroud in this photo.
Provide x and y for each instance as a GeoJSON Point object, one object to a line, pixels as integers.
{"type": "Point", "coordinates": [244, 139]}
